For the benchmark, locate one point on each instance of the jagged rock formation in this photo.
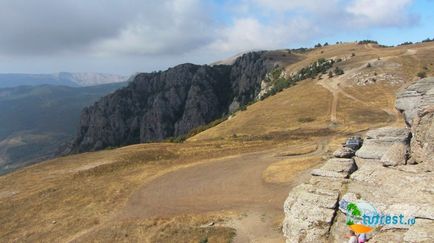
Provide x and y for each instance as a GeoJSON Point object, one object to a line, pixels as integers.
{"type": "Point", "coordinates": [394, 173]}
{"type": "Point", "coordinates": [167, 104]}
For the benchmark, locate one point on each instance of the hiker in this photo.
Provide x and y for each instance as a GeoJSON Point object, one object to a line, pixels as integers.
{"type": "Point", "coordinates": [352, 237]}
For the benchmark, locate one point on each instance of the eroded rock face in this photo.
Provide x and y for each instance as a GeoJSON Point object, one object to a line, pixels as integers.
{"type": "Point", "coordinates": [156, 106]}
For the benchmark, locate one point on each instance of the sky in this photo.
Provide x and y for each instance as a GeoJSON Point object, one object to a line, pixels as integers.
{"type": "Point", "coordinates": [129, 36]}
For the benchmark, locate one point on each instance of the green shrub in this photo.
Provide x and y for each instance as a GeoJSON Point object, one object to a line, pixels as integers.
{"type": "Point", "coordinates": [305, 119]}
{"type": "Point", "coordinates": [339, 71]}
{"type": "Point", "coordinates": [367, 42]}
{"type": "Point", "coordinates": [421, 74]}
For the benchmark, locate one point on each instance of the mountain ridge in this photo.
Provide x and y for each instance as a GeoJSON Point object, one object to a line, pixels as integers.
{"type": "Point", "coordinates": [170, 103]}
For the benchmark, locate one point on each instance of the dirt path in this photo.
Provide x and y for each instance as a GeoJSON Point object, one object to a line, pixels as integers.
{"type": "Point", "coordinates": [233, 183]}
{"type": "Point", "coordinates": [333, 85]}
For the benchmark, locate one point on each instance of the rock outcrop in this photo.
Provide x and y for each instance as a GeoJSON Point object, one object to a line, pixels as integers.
{"type": "Point", "coordinates": [379, 141]}
{"type": "Point", "coordinates": [344, 152]}
{"type": "Point", "coordinates": [336, 168]}
{"type": "Point", "coordinates": [415, 99]}
{"type": "Point", "coordinates": [156, 106]}
{"type": "Point", "coordinates": [311, 207]}
{"type": "Point", "coordinates": [394, 173]}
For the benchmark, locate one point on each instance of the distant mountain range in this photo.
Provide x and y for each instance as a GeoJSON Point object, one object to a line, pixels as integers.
{"type": "Point", "coordinates": [36, 120]}
{"type": "Point", "coordinates": [8, 80]}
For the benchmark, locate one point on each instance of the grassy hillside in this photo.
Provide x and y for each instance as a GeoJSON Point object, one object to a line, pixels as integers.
{"type": "Point", "coordinates": [249, 161]}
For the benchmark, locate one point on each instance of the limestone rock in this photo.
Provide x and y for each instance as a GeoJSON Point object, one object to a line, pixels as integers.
{"type": "Point", "coordinates": [339, 168]}
{"type": "Point", "coordinates": [344, 152]}
{"type": "Point", "coordinates": [422, 231]}
{"type": "Point", "coordinates": [389, 134]}
{"type": "Point", "coordinates": [159, 105]}
{"type": "Point", "coordinates": [415, 97]}
{"type": "Point", "coordinates": [309, 213]}
{"type": "Point", "coordinates": [379, 141]}
{"type": "Point", "coordinates": [422, 143]}
{"type": "Point", "coordinates": [396, 155]}
{"type": "Point", "coordinates": [373, 149]}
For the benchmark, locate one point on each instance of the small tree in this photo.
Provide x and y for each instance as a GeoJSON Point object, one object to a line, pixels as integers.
{"type": "Point", "coordinates": [421, 74]}
{"type": "Point", "coordinates": [318, 45]}
{"type": "Point", "coordinates": [339, 71]}
{"type": "Point", "coordinates": [353, 54]}
{"type": "Point", "coordinates": [369, 65]}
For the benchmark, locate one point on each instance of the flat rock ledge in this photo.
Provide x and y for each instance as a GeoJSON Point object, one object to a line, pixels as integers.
{"type": "Point", "coordinates": [337, 168]}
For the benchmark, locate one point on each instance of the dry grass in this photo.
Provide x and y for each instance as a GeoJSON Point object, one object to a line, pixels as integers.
{"type": "Point", "coordinates": [277, 114]}
{"type": "Point", "coordinates": [78, 196]}
{"type": "Point", "coordinates": [278, 172]}
{"type": "Point", "coordinates": [183, 229]}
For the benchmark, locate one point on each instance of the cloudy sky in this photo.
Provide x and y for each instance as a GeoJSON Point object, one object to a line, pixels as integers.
{"type": "Point", "coordinates": [127, 36]}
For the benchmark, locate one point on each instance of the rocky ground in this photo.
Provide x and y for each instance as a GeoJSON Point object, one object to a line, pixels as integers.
{"type": "Point", "coordinates": [393, 170]}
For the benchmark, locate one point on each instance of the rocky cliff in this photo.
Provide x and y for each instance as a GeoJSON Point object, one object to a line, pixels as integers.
{"type": "Point", "coordinates": [159, 105]}
{"type": "Point", "coordinates": [393, 171]}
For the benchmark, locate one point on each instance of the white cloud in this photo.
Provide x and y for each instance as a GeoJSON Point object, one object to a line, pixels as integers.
{"type": "Point", "coordinates": [117, 33]}
{"type": "Point", "coordinates": [388, 13]}
{"type": "Point", "coordinates": [249, 33]}
{"type": "Point", "coordinates": [171, 28]}
{"type": "Point", "coordinates": [103, 27]}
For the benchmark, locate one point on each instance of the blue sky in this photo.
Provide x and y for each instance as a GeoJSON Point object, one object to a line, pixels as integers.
{"type": "Point", "coordinates": [131, 36]}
